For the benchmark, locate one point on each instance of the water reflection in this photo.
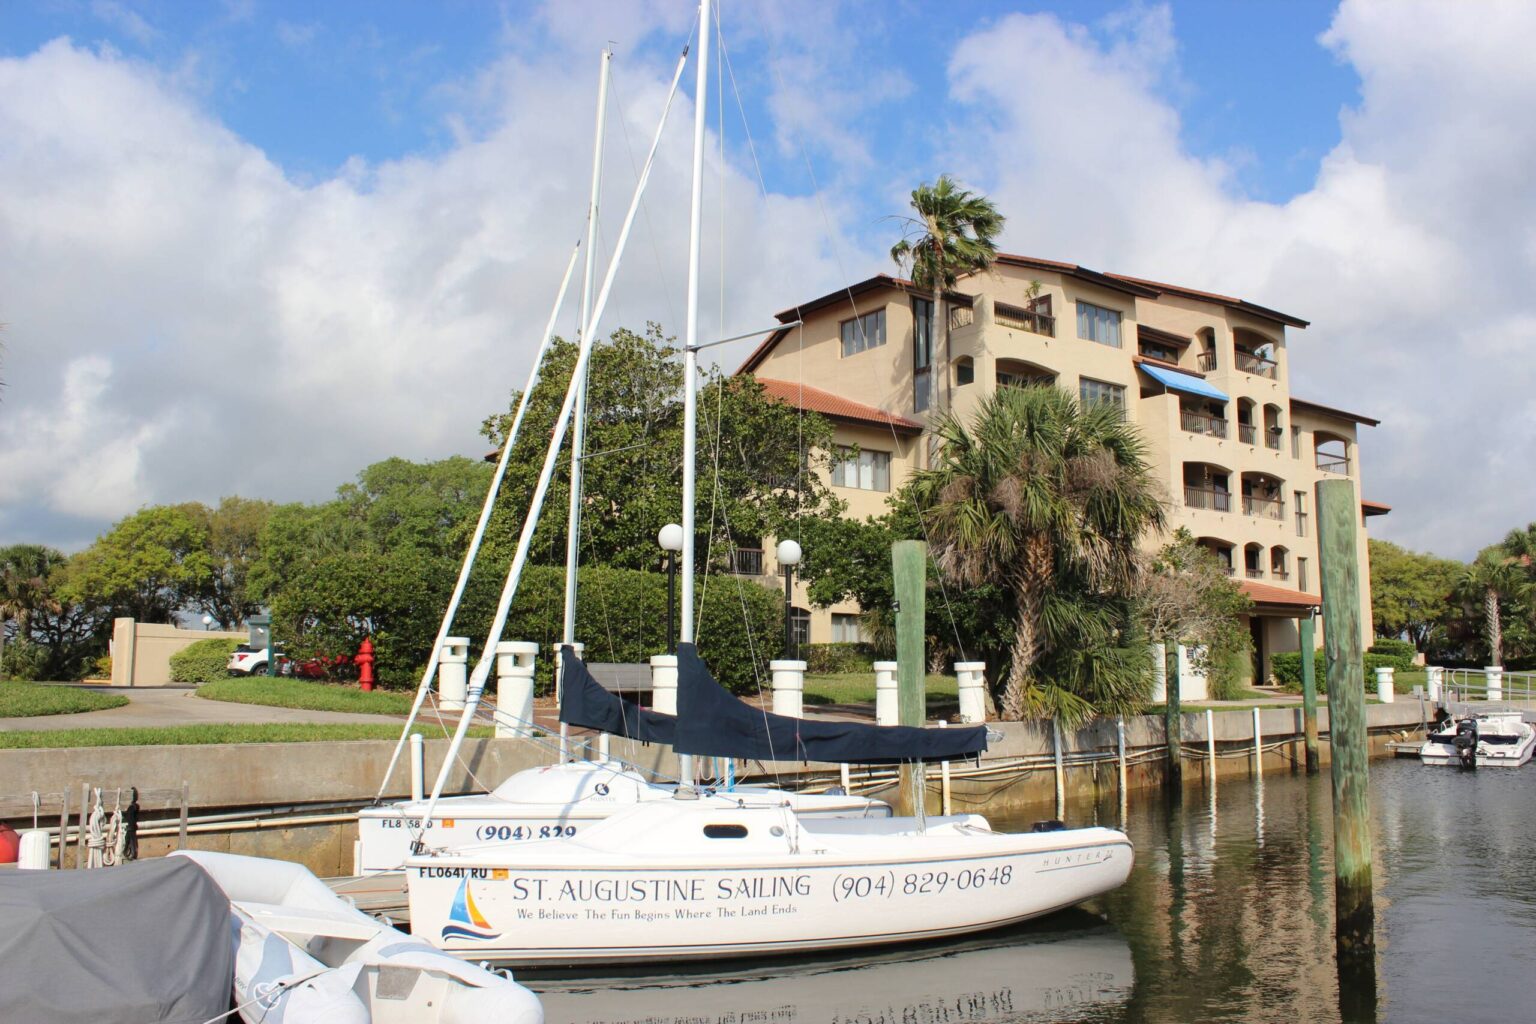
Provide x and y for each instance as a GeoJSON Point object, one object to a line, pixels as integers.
{"type": "Point", "coordinates": [1064, 972]}
{"type": "Point", "coordinates": [1228, 916]}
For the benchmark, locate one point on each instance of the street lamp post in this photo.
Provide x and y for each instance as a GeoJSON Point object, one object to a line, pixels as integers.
{"type": "Point", "coordinates": [671, 540]}
{"type": "Point", "coordinates": [789, 556]}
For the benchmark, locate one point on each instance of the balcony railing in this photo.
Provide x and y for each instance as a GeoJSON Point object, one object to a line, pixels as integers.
{"type": "Point", "coordinates": [747, 561]}
{"type": "Point", "coordinates": [1208, 498]}
{"type": "Point", "coordinates": [1255, 574]}
{"type": "Point", "coordinates": [1263, 508]}
{"type": "Point", "coordinates": [1206, 361]}
{"type": "Point", "coordinates": [1231, 571]}
{"type": "Point", "coordinates": [1024, 319]}
{"type": "Point", "coordinates": [1272, 439]}
{"type": "Point", "coordinates": [1279, 574]}
{"type": "Point", "coordinates": [1247, 433]}
{"type": "Point", "coordinates": [961, 316]}
{"type": "Point", "coordinates": [1333, 463]}
{"type": "Point", "coordinates": [1256, 365]}
{"type": "Point", "coordinates": [1201, 423]}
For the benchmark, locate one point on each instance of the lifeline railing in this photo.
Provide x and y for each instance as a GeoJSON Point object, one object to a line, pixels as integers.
{"type": "Point", "coordinates": [1491, 684]}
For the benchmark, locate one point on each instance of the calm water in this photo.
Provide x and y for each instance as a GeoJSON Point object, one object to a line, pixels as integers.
{"type": "Point", "coordinates": [1228, 916]}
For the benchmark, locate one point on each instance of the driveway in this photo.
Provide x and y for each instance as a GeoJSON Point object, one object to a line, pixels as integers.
{"type": "Point", "coordinates": [159, 706]}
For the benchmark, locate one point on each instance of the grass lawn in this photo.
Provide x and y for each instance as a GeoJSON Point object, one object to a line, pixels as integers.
{"type": "Point", "coordinates": [859, 688]}
{"type": "Point", "coordinates": [300, 732]}
{"type": "Point", "coordinates": [281, 692]}
{"type": "Point", "coordinates": [27, 700]}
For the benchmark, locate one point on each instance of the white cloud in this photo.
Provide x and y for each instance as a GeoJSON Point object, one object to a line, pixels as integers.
{"type": "Point", "coordinates": [1411, 253]}
{"type": "Point", "coordinates": [127, 21]}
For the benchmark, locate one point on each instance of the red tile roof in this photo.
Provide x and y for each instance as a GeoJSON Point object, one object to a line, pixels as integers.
{"type": "Point", "coordinates": [803, 396]}
{"type": "Point", "coordinates": [1374, 508]}
{"type": "Point", "coordinates": [1264, 593]}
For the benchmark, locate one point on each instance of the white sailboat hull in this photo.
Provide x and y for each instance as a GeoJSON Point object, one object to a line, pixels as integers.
{"type": "Point", "coordinates": [678, 883]}
{"type": "Point", "coordinates": [555, 802]}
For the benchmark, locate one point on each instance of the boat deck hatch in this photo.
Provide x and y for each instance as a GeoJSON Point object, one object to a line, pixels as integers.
{"type": "Point", "coordinates": [725, 831]}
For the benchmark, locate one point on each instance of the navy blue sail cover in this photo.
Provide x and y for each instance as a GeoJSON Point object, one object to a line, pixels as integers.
{"type": "Point", "coordinates": [585, 704]}
{"type": "Point", "coordinates": [711, 722]}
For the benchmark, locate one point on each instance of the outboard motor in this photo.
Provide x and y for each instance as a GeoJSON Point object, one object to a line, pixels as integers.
{"type": "Point", "coordinates": [1466, 742]}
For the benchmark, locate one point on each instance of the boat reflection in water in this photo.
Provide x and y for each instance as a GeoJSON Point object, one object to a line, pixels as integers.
{"type": "Point", "coordinates": [1060, 973]}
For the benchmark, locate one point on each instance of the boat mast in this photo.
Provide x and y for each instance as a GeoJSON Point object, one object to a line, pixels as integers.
{"type": "Point", "coordinates": [579, 414]}
{"type": "Point", "coordinates": [691, 339]}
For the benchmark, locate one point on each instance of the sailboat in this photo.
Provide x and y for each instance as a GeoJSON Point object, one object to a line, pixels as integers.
{"type": "Point", "coordinates": [687, 879]}
{"type": "Point", "coordinates": [560, 799]}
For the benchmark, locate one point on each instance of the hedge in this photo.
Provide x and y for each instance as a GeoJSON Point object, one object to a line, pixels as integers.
{"type": "Point", "coordinates": [1402, 650]}
{"type": "Point", "coordinates": [203, 661]}
{"type": "Point", "coordinates": [837, 659]}
{"type": "Point", "coordinates": [1286, 668]}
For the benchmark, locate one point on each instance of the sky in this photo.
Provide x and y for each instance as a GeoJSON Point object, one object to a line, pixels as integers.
{"type": "Point", "coordinates": [250, 247]}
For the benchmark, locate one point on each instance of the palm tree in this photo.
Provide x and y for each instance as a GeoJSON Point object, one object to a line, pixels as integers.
{"type": "Point", "coordinates": [24, 590]}
{"type": "Point", "coordinates": [1049, 501]}
{"type": "Point", "coordinates": [1494, 576]}
{"type": "Point", "coordinates": [952, 234]}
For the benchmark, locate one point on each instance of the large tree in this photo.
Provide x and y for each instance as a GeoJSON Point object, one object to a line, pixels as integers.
{"type": "Point", "coordinates": [49, 637]}
{"type": "Point", "coordinates": [1410, 592]}
{"type": "Point", "coordinates": [148, 566]}
{"type": "Point", "coordinates": [24, 589]}
{"type": "Point", "coordinates": [234, 543]}
{"type": "Point", "coordinates": [1494, 579]}
{"type": "Point", "coordinates": [1049, 501]}
{"type": "Point", "coordinates": [1185, 595]}
{"type": "Point", "coordinates": [951, 232]}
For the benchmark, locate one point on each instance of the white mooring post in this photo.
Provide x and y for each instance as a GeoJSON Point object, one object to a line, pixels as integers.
{"type": "Point", "coordinates": [1210, 745]}
{"type": "Point", "coordinates": [887, 699]}
{"type": "Point", "coordinates": [1258, 747]}
{"type": "Point", "coordinates": [1495, 677]}
{"type": "Point", "coordinates": [788, 687]}
{"type": "Point", "coordinates": [514, 688]}
{"type": "Point", "coordinates": [1384, 683]}
{"type": "Point", "coordinates": [664, 683]}
{"type": "Point", "coordinates": [1432, 683]}
{"type": "Point", "coordinates": [453, 673]}
{"type": "Point", "coordinates": [1120, 765]}
{"type": "Point", "coordinates": [945, 807]}
{"type": "Point", "coordinates": [1061, 776]}
{"type": "Point", "coordinates": [970, 679]}
{"type": "Point", "coordinates": [36, 851]}
{"type": "Point", "coordinates": [418, 767]}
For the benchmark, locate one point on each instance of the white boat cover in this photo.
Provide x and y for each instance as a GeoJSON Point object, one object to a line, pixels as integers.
{"type": "Point", "coordinates": [73, 946]}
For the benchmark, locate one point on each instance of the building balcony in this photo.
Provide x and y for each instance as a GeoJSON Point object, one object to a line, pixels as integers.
{"type": "Point", "coordinates": [1279, 574]}
{"type": "Point", "coordinates": [1024, 319]}
{"type": "Point", "coordinates": [1200, 423]}
{"type": "Point", "coordinates": [1254, 574]}
{"type": "Point", "coordinates": [1333, 463]}
{"type": "Point", "coordinates": [1206, 362]}
{"type": "Point", "coordinates": [1248, 433]}
{"type": "Point", "coordinates": [747, 561]}
{"type": "Point", "coordinates": [1263, 508]}
{"type": "Point", "coordinates": [1272, 439]}
{"type": "Point", "coordinates": [1207, 498]}
{"type": "Point", "coordinates": [1257, 365]}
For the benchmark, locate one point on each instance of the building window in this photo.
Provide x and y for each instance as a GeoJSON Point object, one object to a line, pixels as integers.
{"type": "Point", "coordinates": [1301, 573]}
{"type": "Point", "coordinates": [863, 332]}
{"type": "Point", "coordinates": [867, 471]}
{"type": "Point", "coordinates": [747, 561]}
{"type": "Point", "coordinates": [965, 371]}
{"type": "Point", "coordinates": [1095, 323]}
{"type": "Point", "coordinates": [845, 629]}
{"type": "Point", "coordinates": [922, 353]}
{"type": "Point", "coordinates": [1295, 442]}
{"type": "Point", "coordinates": [800, 625]}
{"type": "Point", "coordinates": [1092, 392]}
{"type": "Point", "coordinates": [1301, 512]}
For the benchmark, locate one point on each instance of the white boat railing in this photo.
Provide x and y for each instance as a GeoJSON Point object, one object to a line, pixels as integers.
{"type": "Point", "coordinates": [1450, 685]}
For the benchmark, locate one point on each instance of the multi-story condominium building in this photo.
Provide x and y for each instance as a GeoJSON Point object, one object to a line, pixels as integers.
{"type": "Point", "coordinates": [1206, 378]}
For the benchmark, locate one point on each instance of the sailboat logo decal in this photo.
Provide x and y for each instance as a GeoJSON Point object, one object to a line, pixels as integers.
{"type": "Point", "coordinates": [465, 920]}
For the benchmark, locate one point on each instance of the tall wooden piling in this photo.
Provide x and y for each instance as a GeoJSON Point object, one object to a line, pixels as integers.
{"type": "Point", "coordinates": [909, 567]}
{"type": "Point", "coordinates": [1338, 514]}
{"type": "Point", "coordinates": [1174, 725]}
{"type": "Point", "coordinates": [1309, 690]}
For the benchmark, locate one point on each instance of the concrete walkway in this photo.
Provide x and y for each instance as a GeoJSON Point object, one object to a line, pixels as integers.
{"type": "Point", "coordinates": [163, 706]}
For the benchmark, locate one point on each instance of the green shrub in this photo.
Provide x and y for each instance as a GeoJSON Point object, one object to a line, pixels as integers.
{"type": "Point", "coordinates": [101, 668]}
{"type": "Point", "coordinates": [1286, 668]}
{"type": "Point", "coordinates": [1398, 648]}
{"type": "Point", "coordinates": [203, 661]}
{"type": "Point", "coordinates": [837, 659]}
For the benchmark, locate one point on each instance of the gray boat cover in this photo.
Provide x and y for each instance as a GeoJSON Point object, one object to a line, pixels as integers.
{"type": "Point", "coordinates": [148, 941]}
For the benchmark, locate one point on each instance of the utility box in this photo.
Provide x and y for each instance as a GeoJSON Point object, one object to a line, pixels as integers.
{"type": "Point", "coordinates": [260, 627]}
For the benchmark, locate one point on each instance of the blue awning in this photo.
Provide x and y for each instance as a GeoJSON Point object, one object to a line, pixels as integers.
{"type": "Point", "coordinates": [1176, 381]}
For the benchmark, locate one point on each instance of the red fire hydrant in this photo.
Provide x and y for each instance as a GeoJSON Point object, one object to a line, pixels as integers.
{"type": "Point", "coordinates": [364, 663]}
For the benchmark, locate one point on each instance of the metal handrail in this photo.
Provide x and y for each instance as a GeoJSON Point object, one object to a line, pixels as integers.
{"type": "Point", "coordinates": [1333, 463]}
{"type": "Point", "coordinates": [1203, 423]}
{"type": "Point", "coordinates": [1459, 684]}
{"type": "Point", "coordinates": [1024, 319]}
{"type": "Point", "coordinates": [1206, 361]}
{"type": "Point", "coordinates": [1264, 508]}
{"type": "Point", "coordinates": [1247, 433]}
{"type": "Point", "coordinates": [1208, 498]}
{"type": "Point", "coordinates": [1256, 365]}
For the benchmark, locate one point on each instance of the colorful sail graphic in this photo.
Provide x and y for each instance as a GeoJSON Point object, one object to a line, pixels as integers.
{"type": "Point", "coordinates": [464, 918]}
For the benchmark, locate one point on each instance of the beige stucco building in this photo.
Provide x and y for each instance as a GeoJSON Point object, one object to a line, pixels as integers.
{"type": "Point", "coordinates": [1206, 377]}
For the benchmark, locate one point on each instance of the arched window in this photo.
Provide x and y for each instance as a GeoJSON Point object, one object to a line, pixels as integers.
{"type": "Point", "coordinates": [1222, 549]}
{"type": "Point", "coordinates": [1255, 353]}
{"type": "Point", "coordinates": [1332, 452]}
{"type": "Point", "coordinates": [1279, 563]}
{"type": "Point", "coordinates": [1206, 486]}
{"type": "Point", "coordinates": [1273, 429]}
{"type": "Point", "coordinates": [965, 371]}
{"type": "Point", "coordinates": [1263, 496]}
{"type": "Point", "coordinates": [1253, 561]}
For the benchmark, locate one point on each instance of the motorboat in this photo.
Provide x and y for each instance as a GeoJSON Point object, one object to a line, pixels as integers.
{"type": "Point", "coordinates": [685, 880]}
{"type": "Point", "coordinates": [557, 801]}
{"type": "Point", "coordinates": [1482, 740]}
{"type": "Point", "coordinates": [301, 955]}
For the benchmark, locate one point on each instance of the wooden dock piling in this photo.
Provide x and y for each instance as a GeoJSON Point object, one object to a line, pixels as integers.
{"type": "Point", "coordinates": [1338, 511]}
{"type": "Point", "coordinates": [909, 566]}
{"type": "Point", "coordinates": [1309, 690]}
{"type": "Point", "coordinates": [1174, 724]}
